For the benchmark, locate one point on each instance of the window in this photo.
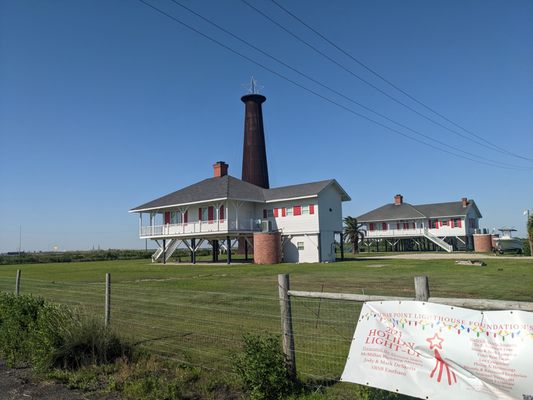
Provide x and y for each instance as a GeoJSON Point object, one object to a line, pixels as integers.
{"type": "Point", "coordinates": [289, 210]}
{"type": "Point", "coordinates": [305, 210]}
{"type": "Point", "coordinates": [433, 224]}
{"type": "Point", "coordinates": [175, 217]}
{"type": "Point", "coordinates": [270, 213]}
{"type": "Point", "coordinates": [297, 210]}
{"type": "Point", "coordinates": [300, 245]}
{"type": "Point", "coordinates": [457, 222]}
{"type": "Point", "coordinates": [444, 222]}
{"type": "Point", "coordinates": [202, 214]}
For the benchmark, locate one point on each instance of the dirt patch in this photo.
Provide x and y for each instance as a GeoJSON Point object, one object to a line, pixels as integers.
{"type": "Point", "coordinates": [21, 384]}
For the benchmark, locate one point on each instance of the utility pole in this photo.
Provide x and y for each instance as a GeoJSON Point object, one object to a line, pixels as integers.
{"type": "Point", "coordinates": [529, 235]}
{"type": "Point", "coordinates": [20, 244]}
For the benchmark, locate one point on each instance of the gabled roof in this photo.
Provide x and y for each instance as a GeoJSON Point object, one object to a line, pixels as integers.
{"type": "Point", "coordinates": [229, 187]}
{"type": "Point", "coordinates": [392, 211]}
{"type": "Point", "coordinates": [303, 190]}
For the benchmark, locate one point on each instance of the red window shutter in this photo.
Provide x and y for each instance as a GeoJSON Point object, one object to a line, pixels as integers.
{"type": "Point", "coordinates": [264, 213]}
{"type": "Point", "coordinates": [221, 213]}
{"type": "Point", "coordinates": [167, 217]}
{"type": "Point", "coordinates": [459, 223]}
{"type": "Point", "coordinates": [210, 214]}
{"type": "Point", "coordinates": [397, 225]}
{"type": "Point", "coordinates": [384, 226]}
{"type": "Point", "coordinates": [200, 214]}
{"type": "Point", "coordinates": [311, 208]}
{"type": "Point", "coordinates": [283, 212]}
{"type": "Point", "coordinates": [275, 212]}
{"type": "Point", "coordinates": [451, 223]}
{"type": "Point", "coordinates": [297, 210]}
{"type": "Point", "coordinates": [414, 225]}
{"type": "Point", "coordinates": [371, 227]}
{"type": "Point", "coordinates": [186, 217]}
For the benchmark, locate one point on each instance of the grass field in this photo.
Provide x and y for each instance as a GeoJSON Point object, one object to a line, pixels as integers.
{"type": "Point", "coordinates": [197, 314]}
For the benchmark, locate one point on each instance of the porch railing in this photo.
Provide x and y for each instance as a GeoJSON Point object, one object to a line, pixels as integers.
{"type": "Point", "coordinates": [199, 227]}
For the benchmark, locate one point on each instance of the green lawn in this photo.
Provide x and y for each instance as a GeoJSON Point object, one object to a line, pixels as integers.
{"type": "Point", "coordinates": [197, 314]}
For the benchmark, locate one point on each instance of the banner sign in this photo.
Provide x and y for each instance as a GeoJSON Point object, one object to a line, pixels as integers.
{"type": "Point", "coordinates": [433, 351]}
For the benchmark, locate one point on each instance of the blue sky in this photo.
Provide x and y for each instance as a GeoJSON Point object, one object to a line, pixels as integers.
{"type": "Point", "coordinates": [105, 105]}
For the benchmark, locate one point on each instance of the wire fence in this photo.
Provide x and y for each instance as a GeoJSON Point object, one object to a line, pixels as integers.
{"type": "Point", "coordinates": [205, 328]}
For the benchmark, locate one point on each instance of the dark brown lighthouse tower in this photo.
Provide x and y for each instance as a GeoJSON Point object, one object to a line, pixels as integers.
{"type": "Point", "coordinates": [254, 160]}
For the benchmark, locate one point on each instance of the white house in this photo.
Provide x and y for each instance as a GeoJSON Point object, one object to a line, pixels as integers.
{"type": "Point", "coordinates": [403, 226]}
{"type": "Point", "coordinates": [224, 211]}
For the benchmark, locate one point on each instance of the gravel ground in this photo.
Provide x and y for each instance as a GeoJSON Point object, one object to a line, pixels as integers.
{"type": "Point", "coordinates": [19, 384]}
{"type": "Point", "coordinates": [444, 256]}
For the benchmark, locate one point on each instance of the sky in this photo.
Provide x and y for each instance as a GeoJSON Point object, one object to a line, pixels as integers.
{"type": "Point", "coordinates": [105, 105]}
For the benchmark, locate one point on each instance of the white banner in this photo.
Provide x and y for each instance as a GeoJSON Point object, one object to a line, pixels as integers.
{"type": "Point", "coordinates": [433, 351]}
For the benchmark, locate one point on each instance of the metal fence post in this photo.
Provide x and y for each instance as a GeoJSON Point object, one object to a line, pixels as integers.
{"type": "Point", "coordinates": [107, 311]}
{"type": "Point", "coordinates": [286, 323]}
{"type": "Point", "coordinates": [421, 288]}
{"type": "Point", "coordinates": [17, 283]}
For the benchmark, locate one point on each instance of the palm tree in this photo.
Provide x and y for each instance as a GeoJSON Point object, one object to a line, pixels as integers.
{"type": "Point", "coordinates": [353, 232]}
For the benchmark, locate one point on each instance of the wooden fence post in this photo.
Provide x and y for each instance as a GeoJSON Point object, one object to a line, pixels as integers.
{"type": "Point", "coordinates": [286, 323]}
{"type": "Point", "coordinates": [107, 310]}
{"type": "Point", "coordinates": [421, 288]}
{"type": "Point", "coordinates": [17, 283]}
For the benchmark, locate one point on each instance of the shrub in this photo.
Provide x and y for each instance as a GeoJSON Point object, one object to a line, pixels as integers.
{"type": "Point", "coordinates": [66, 339]}
{"type": "Point", "coordinates": [18, 316]}
{"type": "Point", "coordinates": [262, 366]}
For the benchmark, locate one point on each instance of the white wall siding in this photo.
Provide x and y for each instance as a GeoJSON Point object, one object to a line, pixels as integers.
{"type": "Point", "coordinates": [292, 224]}
{"type": "Point", "coordinates": [308, 254]}
{"type": "Point", "coordinates": [330, 210]}
{"type": "Point", "coordinates": [327, 246]}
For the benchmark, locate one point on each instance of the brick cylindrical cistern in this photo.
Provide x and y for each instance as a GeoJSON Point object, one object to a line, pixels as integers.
{"type": "Point", "coordinates": [482, 243]}
{"type": "Point", "coordinates": [267, 247]}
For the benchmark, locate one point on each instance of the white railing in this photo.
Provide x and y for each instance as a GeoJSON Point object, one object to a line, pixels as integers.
{"type": "Point", "coordinates": [198, 227]}
{"type": "Point", "coordinates": [438, 241]}
{"type": "Point", "coordinates": [392, 233]}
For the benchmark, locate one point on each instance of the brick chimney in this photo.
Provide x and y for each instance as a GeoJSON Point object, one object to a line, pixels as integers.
{"type": "Point", "coordinates": [220, 169]}
{"type": "Point", "coordinates": [398, 200]}
{"type": "Point", "coordinates": [465, 201]}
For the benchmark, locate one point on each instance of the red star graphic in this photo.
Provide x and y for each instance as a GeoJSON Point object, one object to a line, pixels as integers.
{"type": "Point", "coordinates": [435, 341]}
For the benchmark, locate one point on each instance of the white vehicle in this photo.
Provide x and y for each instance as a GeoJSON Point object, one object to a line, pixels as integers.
{"type": "Point", "coordinates": [506, 242]}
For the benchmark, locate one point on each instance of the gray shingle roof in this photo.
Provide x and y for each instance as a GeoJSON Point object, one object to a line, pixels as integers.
{"type": "Point", "coordinates": [391, 211]}
{"type": "Point", "coordinates": [453, 208]}
{"type": "Point", "coordinates": [302, 190]}
{"type": "Point", "coordinates": [407, 211]}
{"type": "Point", "coordinates": [228, 187]}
